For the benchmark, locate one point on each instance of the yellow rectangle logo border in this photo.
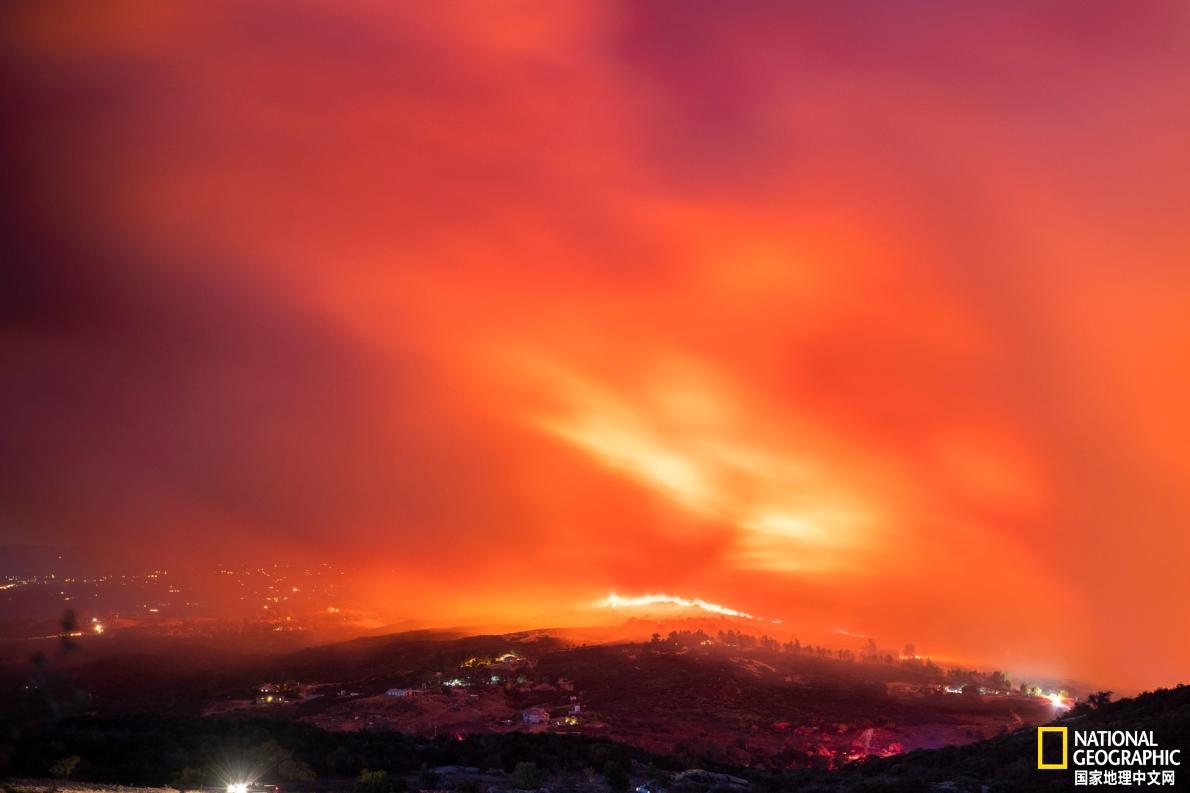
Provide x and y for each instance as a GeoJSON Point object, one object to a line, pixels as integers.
{"type": "Point", "coordinates": [1041, 764]}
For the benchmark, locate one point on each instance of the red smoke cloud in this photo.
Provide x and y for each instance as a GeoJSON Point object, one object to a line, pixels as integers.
{"type": "Point", "coordinates": [854, 314]}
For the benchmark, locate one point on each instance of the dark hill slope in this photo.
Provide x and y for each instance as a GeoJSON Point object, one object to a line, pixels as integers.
{"type": "Point", "coordinates": [1009, 763]}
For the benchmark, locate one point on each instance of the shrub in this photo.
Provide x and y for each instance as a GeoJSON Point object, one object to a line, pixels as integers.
{"type": "Point", "coordinates": [526, 776]}
{"type": "Point", "coordinates": [373, 782]}
{"type": "Point", "coordinates": [64, 767]}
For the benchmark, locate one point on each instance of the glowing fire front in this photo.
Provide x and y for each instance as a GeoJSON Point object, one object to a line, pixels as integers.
{"type": "Point", "coordinates": [613, 601]}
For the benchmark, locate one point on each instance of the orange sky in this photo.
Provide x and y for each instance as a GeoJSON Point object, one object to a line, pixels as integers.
{"type": "Point", "coordinates": [855, 314]}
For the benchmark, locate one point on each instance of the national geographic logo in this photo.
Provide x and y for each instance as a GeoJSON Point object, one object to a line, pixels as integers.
{"type": "Point", "coordinates": [1055, 764]}
{"type": "Point", "coordinates": [1107, 757]}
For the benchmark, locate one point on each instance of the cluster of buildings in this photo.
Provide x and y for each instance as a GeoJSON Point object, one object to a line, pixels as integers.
{"type": "Point", "coordinates": [278, 693]}
{"type": "Point", "coordinates": [541, 716]}
{"type": "Point", "coordinates": [507, 669]}
{"type": "Point", "coordinates": [533, 716]}
{"type": "Point", "coordinates": [403, 692]}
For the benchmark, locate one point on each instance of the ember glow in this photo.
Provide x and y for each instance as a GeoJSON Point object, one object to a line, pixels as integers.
{"type": "Point", "coordinates": [862, 314]}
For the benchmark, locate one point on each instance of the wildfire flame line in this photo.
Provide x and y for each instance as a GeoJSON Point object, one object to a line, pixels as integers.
{"type": "Point", "coordinates": [613, 601]}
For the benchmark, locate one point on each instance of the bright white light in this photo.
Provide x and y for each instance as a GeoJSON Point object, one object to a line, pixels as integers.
{"type": "Point", "coordinates": [1056, 700]}
{"type": "Point", "coordinates": [237, 787]}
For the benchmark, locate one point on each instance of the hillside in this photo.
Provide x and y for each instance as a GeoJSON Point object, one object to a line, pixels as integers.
{"type": "Point", "coordinates": [727, 698]}
{"type": "Point", "coordinates": [155, 750]}
{"type": "Point", "coordinates": [1008, 763]}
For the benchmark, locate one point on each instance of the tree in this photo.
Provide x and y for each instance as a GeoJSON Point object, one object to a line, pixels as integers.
{"type": "Point", "coordinates": [526, 776]}
{"type": "Point", "coordinates": [999, 681]}
{"type": "Point", "coordinates": [64, 767]}
{"type": "Point", "coordinates": [189, 778]}
{"type": "Point", "coordinates": [294, 770]}
{"type": "Point", "coordinates": [617, 778]}
{"type": "Point", "coordinates": [1099, 699]}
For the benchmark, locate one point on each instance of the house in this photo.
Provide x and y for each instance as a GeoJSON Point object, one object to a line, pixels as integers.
{"type": "Point", "coordinates": [535, 716]}
{"type": "Point", "coordinates": [400, 692]}
{"type": "Point", "coordinates": [278, 693]}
